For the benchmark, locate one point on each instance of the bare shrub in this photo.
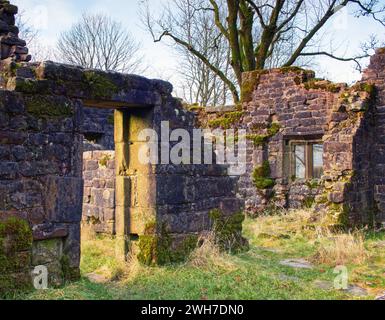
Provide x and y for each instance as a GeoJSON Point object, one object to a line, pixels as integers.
{"type": "Point", "coordinates": [209, 255]}
{"type": "Point", "coordinates": [341, 249]}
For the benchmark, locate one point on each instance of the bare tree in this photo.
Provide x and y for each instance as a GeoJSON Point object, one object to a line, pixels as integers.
{"type": "Point", "coordinates": [200, 85]}
{"type": "Point", "coordinates": [99, 42]}
{"type": "Point", "coordinates": [26, 31]}
{"type": "Point", "coordinates": [31, 36]}
{"type": "Point", "coordinates": [265, 33]}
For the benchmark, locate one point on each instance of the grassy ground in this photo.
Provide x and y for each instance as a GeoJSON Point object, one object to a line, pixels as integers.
{"type": "Point", "coordinates": [256, 274]}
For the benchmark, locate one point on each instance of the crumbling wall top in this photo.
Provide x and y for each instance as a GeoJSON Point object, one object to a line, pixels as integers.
{"type": "Point", "coordinates": [12, 47]}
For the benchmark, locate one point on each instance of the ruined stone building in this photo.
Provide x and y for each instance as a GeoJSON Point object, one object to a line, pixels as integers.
{"type": "Point", "coordinates": [69, 143]}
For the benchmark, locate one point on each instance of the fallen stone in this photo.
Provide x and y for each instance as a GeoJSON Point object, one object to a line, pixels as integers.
{"type": "Point", "coordinates": [96, 278]}
{"type": "Point", "coordinates": [324, 285]}
{"type": "Point", "coordinates": [297, 263]}
{"type": "Point", "coordinates": [285, 277]}
{"type": "Point", "coordinates": [352, 289]}
{"type": "Point", "coordinates": [356, 291]}
{"type": "Point", "coordinates": [381, 297]}
{"type": "Point", "coordinates": [272, 250]}
{"type": "Point", "coordinates": [380, 244]}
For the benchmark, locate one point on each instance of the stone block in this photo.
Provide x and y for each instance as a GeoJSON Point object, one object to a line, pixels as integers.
{"type": "Point", "coordinates": [47, 251]}
{"type": "Point", "coordinates": [170, 190]}
{"type": "Point", "coordinates": [63, 199]}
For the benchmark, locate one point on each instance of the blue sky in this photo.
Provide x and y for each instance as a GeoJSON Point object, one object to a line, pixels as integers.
{"type": "Point", "coordinates": [345, 30]}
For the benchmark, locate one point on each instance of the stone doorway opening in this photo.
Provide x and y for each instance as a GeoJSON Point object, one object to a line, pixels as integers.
{"type": "Point", "coordinates": [116, 185]}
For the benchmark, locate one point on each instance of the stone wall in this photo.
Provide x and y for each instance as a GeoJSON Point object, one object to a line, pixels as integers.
{"type": "Point", "coordinates": [99, 191]}
{"type": "Point", "coordinates": [12, 47]}
{"type": "Point", "coordinates": [40, 186]}
{"type": "Point", "coordinates": [279, 105]}
{"type": "Point", "coordinates": [286, 105]}
{"type": "Point", "coordinates": [160, 210]}
{"type": "Point", "coordinates": [375, 74]}
{"type": "Point", "coordinates": [98, 129]}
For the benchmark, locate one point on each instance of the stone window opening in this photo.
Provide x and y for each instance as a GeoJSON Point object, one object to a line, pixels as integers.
{"type": "Point", "coordinates": [93, 137]}
{"type": "Point", "coordinates": [305, 158]}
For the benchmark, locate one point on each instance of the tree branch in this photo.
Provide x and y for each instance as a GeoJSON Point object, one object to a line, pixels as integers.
{"type": "Point", "coordinates": [329, 13]}
{"type": "Point", "coordinates": [324, 53]}
{"type": "Point", "coordinates": [217, 19]}
{"type": "Point", "coordinates": [199, 55]}
{"type": "Point", "coordinates": [258, 12]}
{"type": "Point", "coordinates": [368, 10]}
{"type": "Point", "coordinates": [291, 17]}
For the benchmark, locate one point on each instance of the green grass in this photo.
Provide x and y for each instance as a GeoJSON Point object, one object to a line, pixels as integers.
{"type": "Point", "coordinates": [256, 274]}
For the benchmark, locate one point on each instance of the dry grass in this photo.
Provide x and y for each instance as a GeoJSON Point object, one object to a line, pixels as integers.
{"type": "Point", "coordinates": [332, 248]}
{"type": "Point", "coordinates": [341, 249]}
{"type": "Point", "coordinates": [98, 257]}
{"type": "Point", "coordinates": [208, 256]}
{"type": "Point", "coordinates": [270, 230]}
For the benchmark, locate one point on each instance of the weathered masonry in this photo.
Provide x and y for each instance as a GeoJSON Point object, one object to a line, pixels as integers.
{"type": "Point", "coordinates": [49, 115]}
{"type": "Point", "coordinates": [69, 145]}
{"type": "Point", "coordinates": [161, 209]}
{"type": "Point", "coordinates": [311, 141]}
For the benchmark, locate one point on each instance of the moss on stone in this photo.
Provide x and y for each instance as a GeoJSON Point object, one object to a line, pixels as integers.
{"type": "Point", "coordinates": [250, 84]}
{"type": "Point", "coordinates": [99, 85]}
{"type": "Point", "coordinates": [18, 231]}
{"type": "Point", "coordinates": [228, 231]}
{"type": "Point", "coordinates": [313, 184]}
{"type": "Point", "coordinates": [258, 139]}
{"type": "Point", "coordinates": [261, 177]}
{"type": "Point", "coordinates": [15, 254]}
{"type": "Point", "coordinates": [46, 107]}
{"type": "Point", "coordinates": [273, 129]}
{"type": "Point", "coordinates": [227, 120]}
{"type": "Point", "coordinates": [111, 120]}
{"type": "Point", "coordinates": [194, 107]}
{"type": "Point", "coordinates": [27, 86]}
{"type": "Point", "coordinates": [14, 66]}
{"type": "Point", "coordinates": [157, 248]}
{"type": "Point", "coordinates": [262, 139]}
{"type": "Point", "coordinates": [104, 161]}
{"type": "Point", "coordinates": [317, 84]}
{"type": "Point", "coordinates": [309, 202]}
{"type": "Point", "coordinates": [69, 273]}
{"type": "Point", "coordinates": [366, 87]}
{"type": "Point", "coordinates": [292, 69]}
{"type": "Point", "coordinates": [147, 250]}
